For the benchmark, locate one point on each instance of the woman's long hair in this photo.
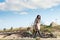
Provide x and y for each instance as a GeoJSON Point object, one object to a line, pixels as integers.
{"type": "Point", "coordinates": [38, 17]}
{"type": "Point", "coordinates": [37, 20]}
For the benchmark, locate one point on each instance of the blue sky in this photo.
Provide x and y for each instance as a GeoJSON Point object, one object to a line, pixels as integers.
{"type": "Point", "coordinates": [21, 13]}
{"type": "Point", "coordinates": [2, 0]}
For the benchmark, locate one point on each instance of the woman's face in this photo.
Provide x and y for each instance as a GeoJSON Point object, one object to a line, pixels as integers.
{"type": "Point", "coordinates": [39, 17]}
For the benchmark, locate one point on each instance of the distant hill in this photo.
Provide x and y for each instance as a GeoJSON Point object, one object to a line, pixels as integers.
{"type": "Point", "coordinates": [53, 24]}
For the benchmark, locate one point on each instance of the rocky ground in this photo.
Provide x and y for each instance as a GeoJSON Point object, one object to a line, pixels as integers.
{"type": "Point", "coordinates": [17, 36]}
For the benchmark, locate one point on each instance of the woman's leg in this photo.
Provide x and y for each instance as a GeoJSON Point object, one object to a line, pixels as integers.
{"type": "Point", "coordinates": [35, 34]}
{"type": "Point", "coordinates": [39, 33]}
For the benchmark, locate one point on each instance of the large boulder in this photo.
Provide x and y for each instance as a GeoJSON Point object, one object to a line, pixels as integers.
{"type": "Point", "coordinates": [53, 24]}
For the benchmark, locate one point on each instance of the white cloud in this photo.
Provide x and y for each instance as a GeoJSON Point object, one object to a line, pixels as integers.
{"type": "Point", "coordinates": [2, 6]}
{"type": "Point", "coordinates": [24, 13]}
{"type": "Point", "coordinates": [46, 3]}
{"type": "Point", "coordinates": [17, 5]}
{"type": "Point", "coordinates": [21, 13]}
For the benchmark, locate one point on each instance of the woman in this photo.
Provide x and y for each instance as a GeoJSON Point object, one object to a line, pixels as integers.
{"type": "Point", "coordinates": [36, 27]}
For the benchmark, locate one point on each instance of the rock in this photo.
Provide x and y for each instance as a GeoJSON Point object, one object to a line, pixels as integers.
{"type": "Point", "coordinates": [26, 34]}
{"type": "Point", "coordinates": [2, 36]}
{"type": "Point", "coordinates": [13, 36]}
{"type": "Point", "coordinates": [47, 35]}
{"type": "Point", "coordinates": [53, 24]}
